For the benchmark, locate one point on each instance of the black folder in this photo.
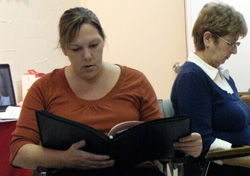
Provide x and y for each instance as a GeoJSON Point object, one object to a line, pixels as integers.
{"type": "Point", "coordinates": [146, 141]}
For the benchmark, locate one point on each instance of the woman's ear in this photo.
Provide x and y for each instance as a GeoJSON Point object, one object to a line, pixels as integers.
{"type": "Point", "coordinates": [207, 38]}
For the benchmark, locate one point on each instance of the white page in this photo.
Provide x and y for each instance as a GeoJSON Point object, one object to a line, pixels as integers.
{"type": "Point", "coordinates": [11, 113]}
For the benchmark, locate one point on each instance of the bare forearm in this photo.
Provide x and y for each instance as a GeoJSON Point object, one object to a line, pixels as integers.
{"type": "Point", "coordinates": [242, 161]}
{"type": "Point", "coordinates": [31, 156]}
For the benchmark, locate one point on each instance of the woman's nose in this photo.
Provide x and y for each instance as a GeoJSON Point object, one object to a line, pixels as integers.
{"type": "Point", "coordinates": [234, 49]}
{"type": "Point", "coordinates": [86, 55]}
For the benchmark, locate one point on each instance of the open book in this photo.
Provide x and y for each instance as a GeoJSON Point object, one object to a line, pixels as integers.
{"type": "Point", "coordinates": [141, 141]}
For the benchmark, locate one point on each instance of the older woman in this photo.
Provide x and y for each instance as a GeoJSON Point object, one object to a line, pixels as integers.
{"type": "Point", "coordinates": [204, 90]}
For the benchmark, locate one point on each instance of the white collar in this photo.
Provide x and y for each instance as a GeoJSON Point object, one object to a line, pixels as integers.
{"type": "Point", "coordinates": [209, 70]}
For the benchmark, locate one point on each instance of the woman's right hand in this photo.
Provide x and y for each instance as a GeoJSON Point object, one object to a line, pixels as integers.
{"type": "Point", "coordinates": [31, 156]}
{"type": "Point", "coordinates": [79, 159]}
{"type": "Point", "coordinates": [191, 145]}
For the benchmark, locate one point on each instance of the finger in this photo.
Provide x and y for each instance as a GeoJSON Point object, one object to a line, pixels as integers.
{"type": "Point", "coordinates": [96, 164]}
{"type": "Point", "coordinates": [90, 156]}
{"type": "Point", "coordinates": [193, 151]}
{"type": "Point", "coordinates": [79, 144]}
{"type": "Point", "coordinates": [94, 157]}
{"type": "Point", "coordinates": [192, 137]}
{"type": "Point", "coordinates": [197, 148]}
{"type": "Point", "coordinates": [189, 149]}
{"type": "Point", "coordinates": [194, 154]}
{"type": "Point", "coordinates": [187, 144]}
{"type": "Point", "coordinates": [101, 164]}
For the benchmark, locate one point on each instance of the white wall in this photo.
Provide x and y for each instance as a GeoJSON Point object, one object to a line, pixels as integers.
{"type": "Point", "coordinates": [239, 64]}
{"type": "Point", "coordinates": [29, 36]}
{"type": "Point", "coordinates": [147, 35]}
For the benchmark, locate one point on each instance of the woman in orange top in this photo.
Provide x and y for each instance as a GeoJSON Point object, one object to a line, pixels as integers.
{"type": "Point", "coordinates": [88, 91]}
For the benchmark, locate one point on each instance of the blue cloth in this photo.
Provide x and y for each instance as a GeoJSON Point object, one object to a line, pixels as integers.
{"type": "Point", "coordinates": [214, 112]}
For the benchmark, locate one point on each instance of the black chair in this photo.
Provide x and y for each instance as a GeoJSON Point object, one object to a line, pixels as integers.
{"type": "Point", "coordinates": [176, 165]}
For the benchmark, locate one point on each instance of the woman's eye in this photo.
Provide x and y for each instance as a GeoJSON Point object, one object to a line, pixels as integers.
{"type": "Point", "coordinates": [75, 49]}
{"type": "Point", "coordinates": [93, 45]}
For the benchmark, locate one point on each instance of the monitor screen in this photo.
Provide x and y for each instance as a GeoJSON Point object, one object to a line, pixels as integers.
{"type": "Point", "coordinates": [7, 95]}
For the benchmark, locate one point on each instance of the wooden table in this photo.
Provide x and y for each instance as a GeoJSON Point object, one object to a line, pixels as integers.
{"type": "Point", "coordinates": [224, 154]}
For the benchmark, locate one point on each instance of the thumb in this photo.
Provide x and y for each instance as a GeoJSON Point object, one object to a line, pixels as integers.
{"type": "Point", "coordinates": [79, 144]}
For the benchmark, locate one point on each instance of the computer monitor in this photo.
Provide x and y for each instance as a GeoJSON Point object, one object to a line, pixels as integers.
{"type": "Point", "coordinates": [7, 94]}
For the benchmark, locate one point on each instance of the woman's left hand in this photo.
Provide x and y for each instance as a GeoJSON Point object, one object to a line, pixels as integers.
{"type": "Point", "coordinates": [191, 145]}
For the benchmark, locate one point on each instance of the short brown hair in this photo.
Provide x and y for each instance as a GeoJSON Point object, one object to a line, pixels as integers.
{"type": "Point", "coordinates": [220, 19]}
{"type": "Point", "coordinates": [71, 22]}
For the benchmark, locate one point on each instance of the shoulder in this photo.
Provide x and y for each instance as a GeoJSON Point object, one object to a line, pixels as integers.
{"type": "Point", "coordinates": [192, 77]}
{"type": "Point", "coordinates": [133, 77]}
{"type": "Point", "coordinates": [190, 67]}
{"type": "Point", "coordinates": [52, 76]}
{"type": "Point", "coordinates": [50, 80]}
{"type": "Point", "coordinates": [190, 70]}
{"type": "Point", "coordinates": [131, 72]}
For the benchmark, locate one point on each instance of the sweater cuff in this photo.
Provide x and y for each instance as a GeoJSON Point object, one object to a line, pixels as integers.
{"type": "Point", "coordinates": [220, 144]}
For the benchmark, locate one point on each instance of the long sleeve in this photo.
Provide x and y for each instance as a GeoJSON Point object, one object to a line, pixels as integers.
{"type": "Point", "coordinates": [193, 97]}
{"type": "Point", "coordinates": [215, 113]}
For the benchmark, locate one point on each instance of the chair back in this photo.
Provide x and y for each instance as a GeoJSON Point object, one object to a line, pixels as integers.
{"type": "Point", "coordinates": [166, 107]}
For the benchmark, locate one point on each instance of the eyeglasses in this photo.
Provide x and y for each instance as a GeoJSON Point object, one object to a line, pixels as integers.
{"type": "Point", "coordinates": [229, 43]}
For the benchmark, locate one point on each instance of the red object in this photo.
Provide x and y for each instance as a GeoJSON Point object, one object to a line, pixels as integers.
{"type": "Point", "coordinates": [6, 128]}
{"type": "Point", "coordinates": [34, 72]}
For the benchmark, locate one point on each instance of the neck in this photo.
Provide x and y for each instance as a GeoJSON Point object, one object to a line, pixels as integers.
{"type": "Point", "coordinates": [205, 57]}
